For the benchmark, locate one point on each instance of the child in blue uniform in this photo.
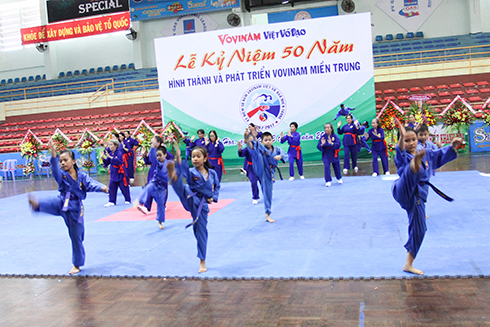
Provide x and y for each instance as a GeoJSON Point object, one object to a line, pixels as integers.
{"type": "Point", "coordinates": [362, 138]}
{"type": "Point", "coordinates": [215, 148]}
{"type": "Point", "coordinates": [250, 172]}
{"type": "Point", "coordinates": [423, 138]}
{"type": "Point", "coordinates": [156, 141]}
{"type": "Point", "coordinates": [73, 188]}
{"type": "Point", "coordinates": [251, 127]}
{"type": "Point", "coordinates": [200, 139]}
{"type": "Point", "coordinates": [329, 145]}
{"type": "Point", "coordinates": [264, 160]}
{"type": "Point", "coordinates": [114, 160]}
{"type": "Point", "coordinates": [130, 143]}
{"type": "Point", "coordinates": [411, 189]}
{"type": "Point", "coordinates": [294, 152]}
{"type": "Point", "coordinates": [202, 188]}
{"type": "Point", "coordinates": [343, 111]}
{"type": "Point", "coordinates": [379, 147]}
{"type": "Point", "coordinates": [350, 141]}
{"type": "Point", "coordinates": [157, 188]}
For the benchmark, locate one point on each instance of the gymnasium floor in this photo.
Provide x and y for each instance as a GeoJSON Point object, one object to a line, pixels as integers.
{"type": "Point", "coordinates": [270, 286]}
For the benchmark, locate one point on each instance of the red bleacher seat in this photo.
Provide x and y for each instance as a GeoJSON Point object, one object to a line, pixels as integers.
{"type": "Point", "coordinates": [415, 89]}
{"type": "Point", "coordinates": [404, 104]}
{"type": "Point", "coordinates": [148, 111]}
{"type": "Point", "coordinates": [402, 90]}
{"type": "Point", "coordinates": [485, 90]}
{"type": "Point", "coordinates": [433, 102]}
{"type": "Point", "coordinates": [479, 115]}
{"type": "Point", "coordinates": [379, 106]}
{"type": "Point", "coordinates": [389, 98]}
{"type": "Point", "coordinates": [402, 97]}
{"type": "Point", "coordinates": [457, 92]}
{"type": "Point", "coordinates": [469, 84]}
{"type": "Point", "coordinates": [155, 111]}
{"type": "Point", "coordinates": [472, 91]}
{"type": "Point", "coordinates": [477, 106]}
{"type": "Point", "coordinates": [431, 94]}
{"type": "Point", "coordinates": [379, 99]}
{"type": "Point", "coordinates": [137, 112]}
{"type": "Point", "coordinates": [482, 83]}
{"type": "Point", "coordinates": [474, 99]}
{"type": "Point", "coordinates": [444, 94]}
{"type": "Point", "coordinates": [445, 101]}
{"type": "Point", "coordinates": [429, 87]}
{"type": "Point", "coordinates": [443, 86]}
{"type": "Point", "coordinates": [455, 86]}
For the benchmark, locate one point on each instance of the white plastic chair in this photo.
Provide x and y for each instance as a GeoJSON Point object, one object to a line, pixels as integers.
{"type": "Point", "coordinates": [9, 166]}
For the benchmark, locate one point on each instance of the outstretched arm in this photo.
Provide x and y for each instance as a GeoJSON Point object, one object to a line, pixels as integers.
{"type": "Point", "coordinates": [403, 133]}
{"type": "Point", "coordinates": [178, 156]}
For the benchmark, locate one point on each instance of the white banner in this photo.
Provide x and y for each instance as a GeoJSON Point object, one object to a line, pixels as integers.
{"type": "Point", "coordinates": [410, 14]}
{"type": "Point", "coordinates": [268, 74]}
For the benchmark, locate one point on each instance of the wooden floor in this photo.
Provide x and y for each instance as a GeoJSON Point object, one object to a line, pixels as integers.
{"type": "Point", "coordinates": [82, 301]}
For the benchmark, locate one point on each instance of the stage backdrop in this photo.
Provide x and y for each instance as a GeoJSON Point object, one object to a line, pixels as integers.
{"type": "Point", "coordinates": [270, 75]}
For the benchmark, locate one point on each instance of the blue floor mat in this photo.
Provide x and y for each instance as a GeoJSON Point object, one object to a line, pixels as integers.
{"type": "Point", "coordinates": [352, 230]}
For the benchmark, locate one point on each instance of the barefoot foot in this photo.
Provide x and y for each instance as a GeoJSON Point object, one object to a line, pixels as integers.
{"type": "Point", "coordinates": [412, 270]}
{"type": "Point", "coordinates": [172, 175]}
{"type": "Point", "coordinates": [160, 225]}
{"type": "Point", "coordinates": [33, 202]}
{"type": "Point", "coordinates": [202, 267]}
{"type": "Point", "coordinates": [269, 219]}
{"type": "Point", "coordinates": [74, 270]}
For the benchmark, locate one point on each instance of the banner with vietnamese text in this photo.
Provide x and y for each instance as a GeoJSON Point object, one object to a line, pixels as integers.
{"type": "Point", "coordinates": [269, 75]}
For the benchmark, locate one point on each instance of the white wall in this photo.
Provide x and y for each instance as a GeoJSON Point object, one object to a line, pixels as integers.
{"type": "Point", "coordinates": [452, 17]}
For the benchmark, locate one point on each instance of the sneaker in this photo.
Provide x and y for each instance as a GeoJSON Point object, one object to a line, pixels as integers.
{"type": "Point", "coordinates": [301, 177]}
{"type": "Point", "coordinates": [243, 171]}
{"type": "Point", "coordinates": [345, 171]}
{"type": "Point", "coordinates": [142, 209]}
{"type": "Point", "coordinates": [370, 152]}
{"type": "Point", "coordinates": [328, 184]}
{"type": "Point", "coordinates": [291, 178]}
{"type": "Point", "coordinates": [109, 204]}
{"type": "Point", "coordinates": [127, 202]}
{"type": "Point", "coordinates": [356, 169]}
{"type": "Point", "coordinates": [387, 173]}
{"type": "Point", "coordinates": [375, 174]}
{"type": "Point", "coordinates": [340, 181]}
{"type": "Point", "coordinates": [255, 201]}
{"type": "Point", "coordinates": [131, 180]}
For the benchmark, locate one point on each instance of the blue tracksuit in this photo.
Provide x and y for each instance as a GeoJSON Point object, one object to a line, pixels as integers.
{"type": "Point", "coordinates": [330, 155]}
{"type": "Point", "coordinates": [350, 143]}
{"type": "Point", "coordinates": [294, 152]}
{"type": "Point", "coordinates": [263, 166]}
{"type": "Point", "coordinates": [193, 197]}
{"type": "Point", "coordinates": [69, 206]}
{"type": "Point", "coordinates": [344, 112]}
{"type": "Point", "coordinates": [157, 188]}
{"type": "Point", "coordinates": [250, 172]}
{"type": "Point", "coordinates": [379, 149]}
{"type": "Point", "coordinates": [411, 190]}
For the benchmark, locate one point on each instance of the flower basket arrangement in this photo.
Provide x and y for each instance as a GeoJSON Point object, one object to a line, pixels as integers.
{"type": "Point", "coordinates": [423, 114]}
{"type": "Point", "coordinates": [143, 133]}
{"type": "Point", "coordinates": [388, 122]}
{"type": "Point", "coordinates": [87, 143]}
{"type": "Point", "coordinates": [106, 138]}
{"type": "Point", "coordinates": [458, 115]}
{"type": "Point", "coordinates": [30, 147]}
{"type": "Point", "coordinates": [29, 169]}
{"type": "Point", "coordinates": [172, 132]}
{"type": "Point", "coordinates": [60, 140]}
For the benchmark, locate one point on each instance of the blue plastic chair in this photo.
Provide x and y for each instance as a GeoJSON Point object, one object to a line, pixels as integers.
{"type": "Point", "coordinates": [37, 78]}
{"type": "Point", "coordinates": [76, 73]}
{"type": "Point", "coordinates": [3, 82]}
{"type": "Point", "coordinates": [10, 81]}
{"type": "Point", "coordinates": [84, 72]}
{"type": "Point", "coordinates": [91, 71]}
{"type": "Point", "coordinates": [107, 69]}
{"type": "Point", "coordinates": [419, 34]}
{"type": "Point", "coordinates": [400, 36]}
{"type": "Point", "coordinates": [24, 79]}
{"type": "Point", "coordinates": [100, 70]}
{"type": "Point", "coordinates": [379, 38]}
{"type": "Point", "coordinates": [17, 80]}
{"type": "Point", "coordinates": [124, 66]}
{"type": "Point", "coordinates": [31, 79]}
{"type": "Point", "coordinates": [44, 76]}
{"type": "Point", "coordinates": [389, 37]}
{"type": "Point", "coordinates": [61, 75]}
{"type": "Point", "coordinates": [69, 73]}
{"type": "Point", "coordinates": [115, 68]}
{"type": "Point", "coordinates": [410, 35]}
{"type": "Point", "coordinates": [131, 66]}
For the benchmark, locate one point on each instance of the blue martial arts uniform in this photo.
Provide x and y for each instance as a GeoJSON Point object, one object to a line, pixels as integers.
{"type": "Point", "coordinates": [188, 148]}
{"type": "Point", "coordinates": [379, 149]}
{"type": "Point", "coordinates": [344, 112]}
{"type": "Point", "coordinates": [330, 155]}
{"type": "Point", "coordinates": [118, 177]}
{"type": "Point", "coordinates": [294, 152]}
{"type": "Point", "coordinates": [157, 188]}
{"type": "Point", "coordinates": [198, 142]}
{"type": "Point", "coordinates": [215, 159]}
{"type": "Point", "coordinates": [128, 156]}
{"type": "Point", "coordinates": [250, 172]}
{"type": "Point", "coordinates": [263, 166]}
{"type": "Point", "coordinates": [350, 143]}
{"type": "Point", "coordinates": [151, 171]}
{"type": "Point", "coordinates": [69, 206]}
{"type": "Point", "coordinates": [193, 197]}
{"type": "Point", "coordinates": [411, 190]}
{"type": "Point", "coordinates": [362, 139]}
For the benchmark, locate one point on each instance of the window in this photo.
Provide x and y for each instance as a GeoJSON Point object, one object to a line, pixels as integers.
{"type": "Point", "coordinates": [13, 17]}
